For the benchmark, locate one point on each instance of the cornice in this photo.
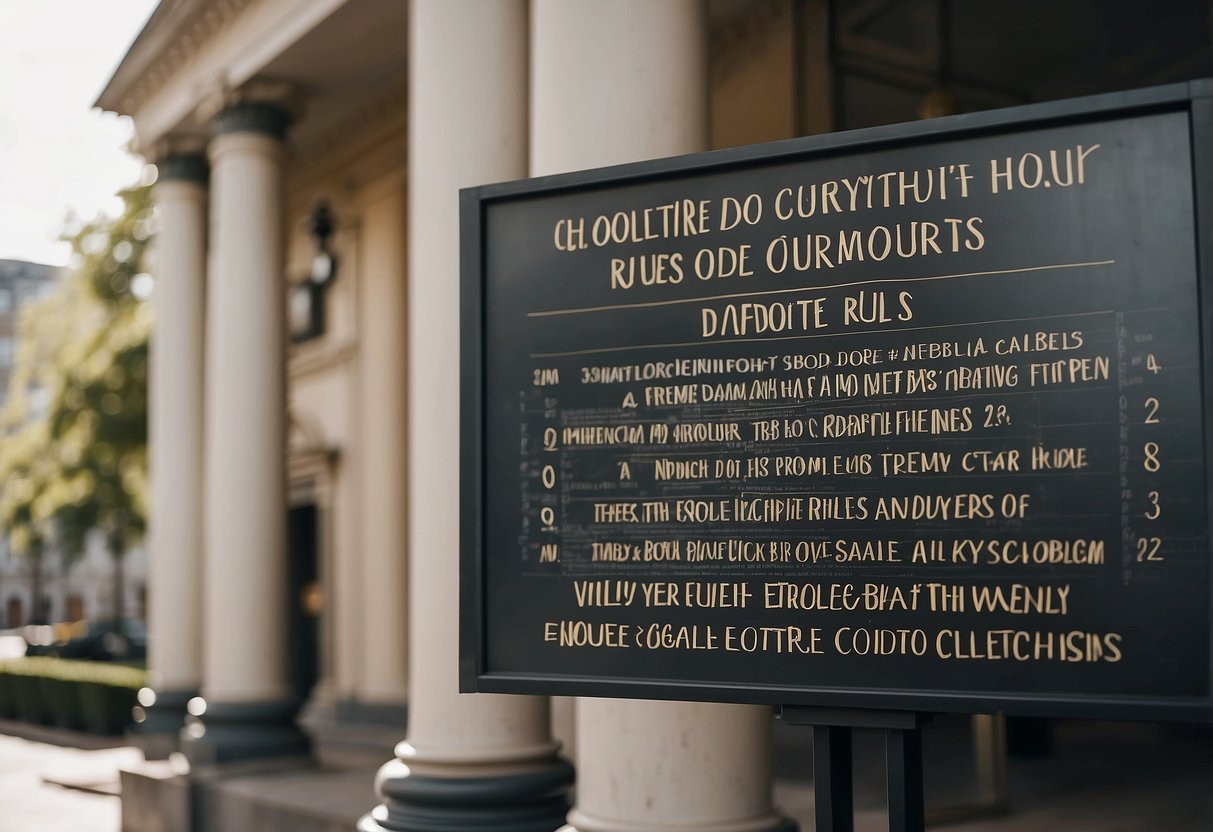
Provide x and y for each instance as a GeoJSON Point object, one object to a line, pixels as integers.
{"type": "Point", "coordinates": [173, 35]}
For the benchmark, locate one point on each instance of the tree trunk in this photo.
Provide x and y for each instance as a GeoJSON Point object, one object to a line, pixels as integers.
{"type": "Point", "coordinates": [117, 547]}
{"type": "Point", "coordinates": [37, 607]}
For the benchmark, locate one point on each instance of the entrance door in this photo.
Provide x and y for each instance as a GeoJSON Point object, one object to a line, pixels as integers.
{"type": "Point", "coordinates": [305, 599]}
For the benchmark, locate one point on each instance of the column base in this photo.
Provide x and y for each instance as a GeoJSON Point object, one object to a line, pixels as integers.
{"type": "Point", "coordinates": [159, 719]}
{"type": "Point", "coordinates": [350, 731]}
{"type": "Point", "coordinates": [233, 731]}
{"type": "Point", "coordinates": [534, 801]}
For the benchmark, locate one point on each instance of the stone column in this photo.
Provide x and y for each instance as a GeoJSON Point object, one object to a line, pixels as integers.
{"type": "Point", "coordinates": [469, 762]}
{"type": "Point", "coordinates": [175, 450]}
{"type": "Point", "coordinates": [619, 82]}
{"type": "Point", "coordinates": [383, 417]}
{"type": "Point", "coordinates": [249, 708]}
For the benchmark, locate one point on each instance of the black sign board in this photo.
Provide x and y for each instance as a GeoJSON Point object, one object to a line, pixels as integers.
{"type": "Point", "coordinates": [904, 418]}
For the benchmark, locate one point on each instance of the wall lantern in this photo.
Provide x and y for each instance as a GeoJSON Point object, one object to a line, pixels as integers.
{"type": "Point", "coordinates": [307, 297]}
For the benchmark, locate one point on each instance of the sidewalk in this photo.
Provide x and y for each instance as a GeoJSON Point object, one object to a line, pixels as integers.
{"type": "Point", "coordinates": [30, 759]}
{"type": "Point", "coordinates": [1102, 777]}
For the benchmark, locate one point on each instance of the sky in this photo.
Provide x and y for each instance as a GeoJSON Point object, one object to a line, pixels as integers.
{"type": "Point", "coordinates": [57, 154]}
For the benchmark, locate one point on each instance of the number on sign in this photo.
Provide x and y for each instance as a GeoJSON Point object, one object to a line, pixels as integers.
{"type": "Point", "coordinates": [996, 415]}
{"type": "Point", "coordinates": [1147, 548]}
{"type": "Point", "coordinates": [1152, 364]}
{"type": "Point", "coordinates": [1151, 463]}
{"type": "Point", "coordinates": [1155, 509]}
{"type": "Point", "coordinates": [1151, 411]}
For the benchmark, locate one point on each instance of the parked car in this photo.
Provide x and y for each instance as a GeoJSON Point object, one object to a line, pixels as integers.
{"type": "Point", "coordinates": [101, 640]}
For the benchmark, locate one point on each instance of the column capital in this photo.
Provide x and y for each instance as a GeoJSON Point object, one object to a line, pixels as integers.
{"type": "Point", "coordinates": [180, 157]}
{"type": "Point", "coordinates": [252, 117]}
{"type": "Point", "coordinates": [183, 167]}
{"type": "Point", "coordinates": [265, 107]}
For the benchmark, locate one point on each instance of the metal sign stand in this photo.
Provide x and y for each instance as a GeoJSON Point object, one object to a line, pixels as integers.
{"type": "Point", "coordinates": [832, 783]}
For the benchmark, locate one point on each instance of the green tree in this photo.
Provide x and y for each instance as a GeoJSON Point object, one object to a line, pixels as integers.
{"type": "Point", "coordinates": [80, 464]}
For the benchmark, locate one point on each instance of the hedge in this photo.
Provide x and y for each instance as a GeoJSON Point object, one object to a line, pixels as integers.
{"type": "Point", "coordinates": [70, 693]}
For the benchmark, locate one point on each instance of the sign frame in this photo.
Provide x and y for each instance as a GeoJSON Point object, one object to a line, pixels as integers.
{"type": "Point", "coordinates": [1194, 98]}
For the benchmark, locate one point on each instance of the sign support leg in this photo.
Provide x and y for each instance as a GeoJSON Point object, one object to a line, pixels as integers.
{"type": "Point", "coordinates": [832, 770]}
{"type": "Point", "coordinates": [832, 788]}
{"type": "Point", "coordinates": [903, 762]}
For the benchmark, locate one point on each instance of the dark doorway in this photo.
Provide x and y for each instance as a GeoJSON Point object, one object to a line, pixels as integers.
{"type": "Point", "coordinates": [15, 614]}
{"type": "Point", "coordinates": [304, 598]}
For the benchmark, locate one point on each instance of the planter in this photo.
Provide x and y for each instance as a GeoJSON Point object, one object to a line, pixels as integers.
{"type": "Point", "coordinates": [93, 696]}
{"type": "Point", "coordinates": [8, 696]}
{"type": "Point", "coordinates": [31, 706]}
{"type": "Point", "coordinates": [61, 702]}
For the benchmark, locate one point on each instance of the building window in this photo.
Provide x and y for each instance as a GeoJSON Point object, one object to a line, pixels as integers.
{"type": "Point", "coordinates": [6, 352]}
{"type": "Point", "coordinates": [75, 607]}
{"type": "Point", "coordinates": [6, 300]}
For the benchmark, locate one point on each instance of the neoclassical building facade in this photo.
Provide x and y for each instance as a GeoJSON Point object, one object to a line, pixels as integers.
{"type": "Point", "coordinates": [303, 586]}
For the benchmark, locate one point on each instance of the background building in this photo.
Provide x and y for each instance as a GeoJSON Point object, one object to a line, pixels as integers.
{"type": "Point", "coordinates": [304, 468]}
{"type": "Point", "coordinates": [20, 282]}
{"type": "Point", "coordinates": [82, 588]}
{"type": "Point", "coordinates": [73, 588]}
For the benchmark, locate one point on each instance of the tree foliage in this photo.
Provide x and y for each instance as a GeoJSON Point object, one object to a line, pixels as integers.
{"type": "Point", "coordinates": [27, 463]}
{"type": "Point", "coordinates": [98, 415]}
{"type": "Point", "coordinates": [73, 433]}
